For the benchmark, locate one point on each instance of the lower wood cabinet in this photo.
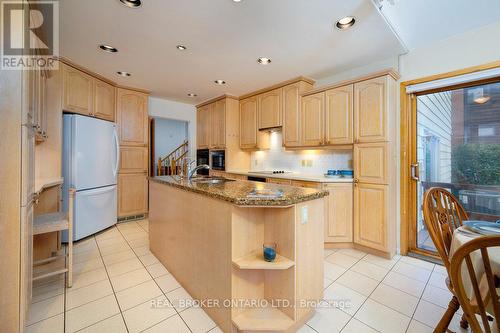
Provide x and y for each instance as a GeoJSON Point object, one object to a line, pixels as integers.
{"type": "Point", "coordinates": [370, 216]}
{"type": "Point", "coordinates": [339, 213]}
{"type": "Point", "coordinates": [132, 194]}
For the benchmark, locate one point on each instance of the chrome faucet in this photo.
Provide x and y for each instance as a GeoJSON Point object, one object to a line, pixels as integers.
{"type": "Point", "coordinates": [201, 166]}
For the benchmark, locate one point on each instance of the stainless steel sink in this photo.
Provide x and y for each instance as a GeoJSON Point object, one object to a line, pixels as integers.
{"type": "Point", "coordinates": [210, 180]}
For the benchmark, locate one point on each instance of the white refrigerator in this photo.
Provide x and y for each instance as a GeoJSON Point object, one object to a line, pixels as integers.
{"type": "Point", "coordinates": [91, 155]}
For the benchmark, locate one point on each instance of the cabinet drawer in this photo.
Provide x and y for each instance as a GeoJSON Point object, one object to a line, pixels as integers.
{"type": "Point", "coordinates": [370, 163]}
{"type": "Point", "coordinates": [133, 159]}
{"type": "Point", "coordinates": [301, 183]}
{"type": "Point", "coordinates": [278, 181]}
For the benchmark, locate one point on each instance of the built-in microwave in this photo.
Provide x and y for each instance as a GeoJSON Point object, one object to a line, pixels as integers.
{"type": "Point", "coordinates": [202, 157]}
{"type": "Point", "coordinates": [218, 159]}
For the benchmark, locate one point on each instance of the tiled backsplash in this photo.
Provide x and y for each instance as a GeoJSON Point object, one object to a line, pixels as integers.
{"type": "Point", "coordinates": [277, 158]}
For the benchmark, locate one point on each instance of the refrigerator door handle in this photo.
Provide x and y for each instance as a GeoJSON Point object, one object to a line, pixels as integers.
{"type": "Point", "coordinates": [117, 144]}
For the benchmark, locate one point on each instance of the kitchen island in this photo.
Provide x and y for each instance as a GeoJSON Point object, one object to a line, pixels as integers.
{"type": "Point", "coordinates": [210, 236]}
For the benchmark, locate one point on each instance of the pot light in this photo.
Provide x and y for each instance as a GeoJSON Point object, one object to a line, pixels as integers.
{"type": "Point", "coordinates": [220, 82]}
{"type": "Point", "coordinates": [236, 0]}
{"type": "Point", "coordinates": [131, 3]}
{"type": "Point", "coordinates": [478, 96]}
{"type": "Point", "coordinates": [264, 61]}
{"type": "Point", "coordinates": [192, 95]}
{"type": "Point", "coordinates": [482, 99]}
{"type": "Point", "coordinates": [108, 48]}
{"type": "Point", "coordinates": [124, 74]}
{"type": "Point", "coordinates": [345, 22]}
{"type": "Point", "coordinates": [181, 47]}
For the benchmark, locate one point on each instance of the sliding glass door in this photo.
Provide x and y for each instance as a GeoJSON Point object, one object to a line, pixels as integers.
{"type": "Point", "coordinates": [457, 147]}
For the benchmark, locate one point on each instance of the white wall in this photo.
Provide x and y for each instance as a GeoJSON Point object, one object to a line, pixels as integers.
{"type": "Point", "coordinates": [169, 134]}
{"type": "Point", "coordinates": [165, 108]}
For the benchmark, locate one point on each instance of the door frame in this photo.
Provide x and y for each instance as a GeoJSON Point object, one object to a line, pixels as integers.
{"type": "Point", "coordinates": [408, 202]}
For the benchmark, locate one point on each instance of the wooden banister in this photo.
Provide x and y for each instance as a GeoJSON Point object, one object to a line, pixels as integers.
{"type": "Point", "coordinates": [175, 162]}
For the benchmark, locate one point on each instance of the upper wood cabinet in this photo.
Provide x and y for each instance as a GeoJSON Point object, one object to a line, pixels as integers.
{"type": "Point", "coordinates": [312, 119]}
{"type": "Point", "coordinates": [339, 115]}
{"type": "Point", "coordinates": [269, 106]}
{"type": "Point", "coordinates": [78, 93]}
{"type": "Point", "coordinates": [339, 212]}
{"type": "Point", "coordinates": [291, 115]}
{"type": "Point", "coordinates": [132, 113]}
{"type": "Point", "coordinates": [248, 123]}
{"type": "Point", "coordinates": [218, 121]}
{"type": "Point", "coordinates": [104, 100]}
{"type": "Point", "coordinates": [132, 194]}
{"type": "Point", "coordinates": [370, 110]}
{"type": "Point", "coordinates": [371, 227]}
{"type": "Point", "coordinates": [203, 127]}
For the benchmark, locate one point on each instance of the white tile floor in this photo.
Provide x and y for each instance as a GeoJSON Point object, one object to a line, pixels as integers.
{"type": "Point", "coordinates": [117, 279]}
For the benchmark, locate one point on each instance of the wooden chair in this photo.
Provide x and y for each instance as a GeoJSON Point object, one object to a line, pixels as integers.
{"type": "Point", "coordinates": [443, 213]}
{"type": "Point", "coordinates": [57, 222]}
{"type": "Point", "coordinates": [484, 286]}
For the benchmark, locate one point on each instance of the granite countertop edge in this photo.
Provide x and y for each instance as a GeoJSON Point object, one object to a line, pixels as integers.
{"type": "Point", "coordinates": [244, 201]}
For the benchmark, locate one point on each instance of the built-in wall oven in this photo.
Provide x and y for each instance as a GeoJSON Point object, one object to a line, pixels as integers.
{"type": "Point", "coordinates": [202, 157]}
{"type": "Point", "coordinates": [218, 159]}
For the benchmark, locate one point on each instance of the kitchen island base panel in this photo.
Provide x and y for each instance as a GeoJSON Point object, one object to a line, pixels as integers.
{"type": "Point", "coordinates": [211, 247]}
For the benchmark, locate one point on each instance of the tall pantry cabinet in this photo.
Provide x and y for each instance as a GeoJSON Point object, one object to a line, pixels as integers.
{"type": "Point", "coordinates": [374, 163]}
{"type": "Point", "coordinates": [133, 131]}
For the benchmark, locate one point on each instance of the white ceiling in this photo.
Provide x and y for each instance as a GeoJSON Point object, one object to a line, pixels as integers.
{"type": "Point", "coordinates": [421, 22]}
{"type": "Point", "coordinates": [224, 40]}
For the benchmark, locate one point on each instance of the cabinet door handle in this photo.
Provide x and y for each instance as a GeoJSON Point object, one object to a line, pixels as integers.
{"type": "Point", "coordinates": [415, 171]}
{"type": "Point", "coordinates": [356, 181]}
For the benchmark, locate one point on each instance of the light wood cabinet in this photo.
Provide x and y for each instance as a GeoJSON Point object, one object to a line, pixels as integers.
{"type": "Point", "coordinates": [218, 123]}
{"type": "Point", "coordinates": [269, 106]}
{"type": "Point", "coordinates": [78, 93]}
{"type": "Point", "coordinates": [104, 100]}
{"type": "Point", "coordinates": [133, 159]}
{"type": "Point", "coordinates": [132, 194]}
{"type": "Point", "coordinates": [370, 163]}
{"type": "Point", "coordinates": [279, 181]}
{"type": "Point", "coordinates": [132, 113]}
{"type": "Point", "coordinates": [291, 115]}
{"type": "Point", "coordinates": [370, 216]}
{"type": "Point", "coordinates": [339, 212]}
{"type": "Point", "coordinates": [370, 110]}
{"type": "Point", "coordinates": [312, 119]}
{"type": "Point", "coordinates": [306, 184]}
{"type": "Point", "coordinates": [248, 123]}
{"type": "Point", "coordinates": [339, 115]}
{"type": "Point", "coordinates": [203, 125]}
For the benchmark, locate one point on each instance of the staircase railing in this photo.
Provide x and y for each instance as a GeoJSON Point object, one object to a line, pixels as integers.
{"type": "Point", "coordinates": [175, 163]}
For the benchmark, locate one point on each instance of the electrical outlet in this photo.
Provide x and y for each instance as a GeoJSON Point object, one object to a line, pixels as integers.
{"type": "Point", "coordinates": [256, 162]}
{"type": "Point", "coordinates": [303, 163]}
{"type": "Point", "coordinates": [309, 163]}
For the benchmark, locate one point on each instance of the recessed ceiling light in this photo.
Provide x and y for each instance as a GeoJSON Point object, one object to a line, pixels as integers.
{"type": "Point", "coordinates": [221, 82]}
{"type": "Point", "coordinates": [108, 48]}
{"type": "Point", "coordinates": [132, 3]}
{"type": "Point", "coordinates": [124, 74]}
{"type": "Point", "coordinates": [345, 22]}
{"type": "Point", "coordinates": [181, 47]}
{"type": "Point", "coordinates": [264, 61]}
{"type": "Point", "coordinates": [236, 0]}
{"type": "Point", "coordinates": [192, 95]}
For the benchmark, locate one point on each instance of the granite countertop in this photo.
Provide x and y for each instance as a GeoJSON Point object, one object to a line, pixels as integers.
{"type": "Point", "coordinates": [236, 191]}
{"type": "Point", "coordinates": [293, 176]}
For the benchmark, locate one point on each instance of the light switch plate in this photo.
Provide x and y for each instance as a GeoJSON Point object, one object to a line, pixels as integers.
{"type": "Point", "coordinates": [304, 212]}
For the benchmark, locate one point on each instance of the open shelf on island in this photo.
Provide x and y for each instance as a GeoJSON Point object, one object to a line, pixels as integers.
{"type": "Point", "coordinates": [255, 260]}
{"type": "Point", "coordinates": [263, 319]}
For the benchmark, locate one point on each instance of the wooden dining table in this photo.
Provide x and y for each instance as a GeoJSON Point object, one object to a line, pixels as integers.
{"type": "Point", "coordinates": [460, 237]}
